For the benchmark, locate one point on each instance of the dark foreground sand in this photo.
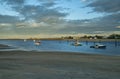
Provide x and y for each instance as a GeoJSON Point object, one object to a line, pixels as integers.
{"type": "Point", "coordinates": [2, 46]}
{"type": "Point", "coordinates": [52, 65]}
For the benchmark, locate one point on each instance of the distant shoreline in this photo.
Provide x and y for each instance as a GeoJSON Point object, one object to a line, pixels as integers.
{"type": "Point", "coordinates": [84, 40]}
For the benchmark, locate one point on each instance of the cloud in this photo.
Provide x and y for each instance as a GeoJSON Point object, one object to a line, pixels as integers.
{"type": "Point", "coordinates": [8, 19]}
{"type": "Point", "coordinates": [105, 6]}
{"type": "Point", "coordinates": [83, 0]}
{"type": "Point", "coordinates": [111, 19]}
{"type": "Point", "coordinates": [118, 27]}
{"type": "Point", "coordinates": [13, 2]}
{"type": "Point", "coordinates": [33, 19]}
{"type": "Point", "coordinates": [39, 12]}
{"type": "Point", "coordinates": [31, 24]}
{"type": "Point", "coordinates": [48, 19]}
{"type": "Point", "coordinates": [49, 3]}
{"type": "Point", "coordinates": [98, 32]}
{"type": "Point", "coordinates": [4, 24]}
{"type": "Point", "coordinates": [95, 25]}
{"type": "Point", "coordinates": [54, 25]}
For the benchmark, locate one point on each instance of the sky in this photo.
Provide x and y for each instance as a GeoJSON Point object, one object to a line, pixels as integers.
{"type": "Point", "coordinates": [56, 18]}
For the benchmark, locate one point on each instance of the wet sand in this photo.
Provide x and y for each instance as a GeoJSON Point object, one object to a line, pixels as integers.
{"type": "Point", "coordinates": [57, 65]}
{"type": "Point", "coordinates": [2, 46]}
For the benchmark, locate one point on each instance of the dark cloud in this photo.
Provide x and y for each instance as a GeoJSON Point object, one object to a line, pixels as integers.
{"type": "Point", "coordinates": [40, 13]}
{"type": "Point", "coordinates": [13, 2]}
{"type": "Point", "coordinates": [110, 20]}
{"type": "Point", "coordinates": [37, 13]}
{"type": "Point", "coordinates": [35, 18]}
{"type": "Point", "coordinates": [49, 3]}
{"type": "Point", "coordinates": [8, 19]}
{"type": "Point", "coordinates": [100, 24]}
{"type": "Point", "coordinates": [106, 6]}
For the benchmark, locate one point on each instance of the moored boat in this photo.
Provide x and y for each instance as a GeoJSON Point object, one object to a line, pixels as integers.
{"type": "Point", "coordinates": [37, 43]}
{"type": "Point", "coordinates": [98, 46]}
{"type": "Point", "coordinates": [25, 40]}
{"type": "Point", "coordinates": [77, 43]}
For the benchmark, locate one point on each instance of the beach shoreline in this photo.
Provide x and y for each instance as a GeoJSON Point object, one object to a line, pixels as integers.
{"type": "Point", "coordinates": [57, 65]}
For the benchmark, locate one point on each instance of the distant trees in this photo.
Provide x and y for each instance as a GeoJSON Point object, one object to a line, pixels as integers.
{"type": "Point", "coordinates": [114, 36]}
{"type": "Point", "coordinates": [99, 37]}
{"type": "Point", "coordinates": [67, 37]}
{"type": "Point", "coordinates": [93, 37]}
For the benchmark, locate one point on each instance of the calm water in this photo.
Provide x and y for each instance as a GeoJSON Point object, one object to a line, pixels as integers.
{"type": "Point", "coordinates": [57, 45]}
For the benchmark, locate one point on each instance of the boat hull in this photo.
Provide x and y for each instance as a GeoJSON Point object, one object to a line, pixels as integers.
{"type": "Point", "coordinates": [76, 44]}
{"type": "Point", "coordinates": [98, 47]}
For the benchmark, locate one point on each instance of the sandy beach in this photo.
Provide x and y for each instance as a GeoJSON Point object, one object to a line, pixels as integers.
{"type": "Point", "coordinates": [57, 65]}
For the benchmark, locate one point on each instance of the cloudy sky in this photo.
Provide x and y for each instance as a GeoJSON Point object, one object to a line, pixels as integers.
{"type": "Point", "coordinates": [51, 18]}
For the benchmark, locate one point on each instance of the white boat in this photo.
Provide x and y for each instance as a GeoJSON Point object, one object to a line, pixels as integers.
{"type": "Point", "coordinates": [37, 43]}
{"type": "Point", "coordinates": [33, 40]}
{"type": "Point", "coordinates": [25, 40]}
{"type": "Point", "coordinates": [77, 43]}
{"type": "Point", "coordinates": [98, 46]}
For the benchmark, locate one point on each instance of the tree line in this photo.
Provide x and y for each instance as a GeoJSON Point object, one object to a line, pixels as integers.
{"type": "Point", "coordinates": [112, 36]}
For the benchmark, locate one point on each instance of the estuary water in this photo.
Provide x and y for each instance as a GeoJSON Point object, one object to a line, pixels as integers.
{"type": "Point", "coordinates": [62, 45]}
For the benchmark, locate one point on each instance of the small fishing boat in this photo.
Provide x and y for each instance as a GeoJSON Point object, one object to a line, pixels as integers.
{"type": "Point", "coordinates": [25, 40]}
{"type": "Point", "coordinates": [97, 46]}
{"type": "Point", "coordinates": [33, 40]}
{"type": "Point", "coordinates": [37, 43]}
{"type": "Point", "coordinates": [76, 43]}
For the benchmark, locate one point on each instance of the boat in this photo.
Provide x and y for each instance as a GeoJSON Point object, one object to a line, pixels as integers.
{"type": "Point", "coordinates": [76, 43]}
{"type": "Point", "coordinates": [33, 40]}
{"type": "Point", "coordinates": [37, 43]}
{"type": "Point", "coordinates": [97, 46]}
{"type": "Point", "coordinates": [25, 40]}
